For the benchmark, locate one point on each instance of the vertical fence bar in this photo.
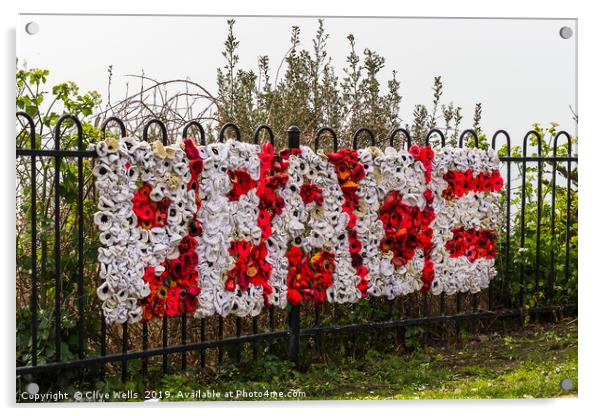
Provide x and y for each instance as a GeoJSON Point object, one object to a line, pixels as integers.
{"type": "Point", "coordinates": [568, 211]}
{"type": "Point", "coordinates": [508, 231]}
{"type": "Point", "coordinates": [144, 348]}
{"type": "Point", "coordinates": [202, 358]}
{"type": "Point", "coordinates": [34, 239]}
{"type": "Point", "coordinates": [34, 253]}
{"type": "Point", "coordinates": [372, 138]}
{"type": "Point", "coordinates": [164, 336]}
{"type": "Point", "coordinates": [184, 336]}
{"type": "Point", "coordinates": [254, 329]}
{"type": "Point", "coordinates": [103, 343]}
{"type": "Point", "coordinates": [552, 271]}
{"type": "Point", "coordinates": [405, 314]}
{"type": "Point", "coordinates": [145, 323]}
{"type": "Point", "coordinates": [256, 140]}
{"type": "Point", "coordinates": [271, 324]}
{"type": "Point", "coordinates": [57, 262]}
{"type": "Point", "coordinates": [458, 323]}
{"type": "Point", "coordinates": [80, 247]}
{"type": "Point", "coordinates": [521, 280]}
{"type": "Point", "coordinates": [124, 350]}
{"type": "Point", "coordinates": [335, 148]}
{"type": "Point", "coordinates": [222, 136]}
{"type": "Point", "coordinates": [475, 145]}
{"type": "Point", "coordinates": [294, 315]}
{"type": "Point", "coordinates": [164, 140]}
{"type": "Point", "coordinates": [425, 298]}
{"type": "Point", "coordinates": [238, 333]}
{"type": "Point", "coordinates": [317, 318]}
{"type": "Point", "coordinates": [538, 224]}
{"type": "Point", "coordinates": [522, 213]}
{"type": "Point", "coordinates": [506, 278]}
{"type": "Point", "coordinates": [442, 296]}
{"type": "Point", "coordinates": [407, 301]}
{"type": "Point", "coordinates": [459, 296]}
{"type": "Point", "coordinates": [103, 323]}
{"type": "Point", "coordinates": [220, 335]}
{"type": "Point", "coordinates": [57, 240]}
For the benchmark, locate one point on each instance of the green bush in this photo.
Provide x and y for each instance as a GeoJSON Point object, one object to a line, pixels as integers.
{"type": "Point", "coordinates": [552, 242]}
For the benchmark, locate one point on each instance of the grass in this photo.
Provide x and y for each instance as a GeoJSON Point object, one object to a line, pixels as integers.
{"type": "Point", "coordinates": [529, 363]}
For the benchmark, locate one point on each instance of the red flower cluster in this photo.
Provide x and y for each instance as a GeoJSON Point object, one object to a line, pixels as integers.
{"type": "Point", "coordinates": [250, 267]}
{"type": "Point", "coordinates": [250, 264]}
{"type": "Point", "coordinates": [196, 168]}
{"type": "Point", "coordinates": [241, 184]}
{"type": "Point", "coordinates": [311, 193]}
{"type": "Point", "coordinates": [349, 172]}
{"type": "Point", "coordinates": [308, 278]}
{"type": "Point", "coordinates": [474, 244]}
{"type": "Point", "coordinates": [425, 155]}
{"type": "Point", "coordinates": [406, 228]}
{"type": "Point", "coordinates": [272, 178]}
{"type": "Point", "coordinates": [462, 182]}
{"type": "Point", "coordinates": [176, 289]}
{"type": "Point", "coordinates": [150, 213]}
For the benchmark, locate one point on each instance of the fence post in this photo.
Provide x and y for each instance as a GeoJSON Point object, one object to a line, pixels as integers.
{"type": "Point", "coordinates": [294, 315]}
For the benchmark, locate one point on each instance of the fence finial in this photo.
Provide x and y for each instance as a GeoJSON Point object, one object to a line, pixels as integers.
{"type": "Point", "coordinates": [200, 129]}
{"type": "Point", "coordinates": [321, 132]}
{"type": "Point", "coordinates": [268, 129]}
{"type": "Point", "coordinates": [294, 136]}
{"type": "Point", "coordinates": [161, 126]}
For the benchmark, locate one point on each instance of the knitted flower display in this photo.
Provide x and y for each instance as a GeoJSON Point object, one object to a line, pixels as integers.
{"type": "Point", "coordinates": [231, 228]}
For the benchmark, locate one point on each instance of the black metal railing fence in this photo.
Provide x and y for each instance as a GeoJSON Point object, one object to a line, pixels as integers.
{"type": "Point", "coordinates": [87, 350]}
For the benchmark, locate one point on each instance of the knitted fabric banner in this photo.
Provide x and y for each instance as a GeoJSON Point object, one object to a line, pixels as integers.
{"type": "Point", "coordinates": [229, 228]}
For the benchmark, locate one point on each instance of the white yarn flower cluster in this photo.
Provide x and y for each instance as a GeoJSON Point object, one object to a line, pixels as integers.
{"type": "Point", "coordinates": [223, 221]}
{"type": "Point", "coordinates": [322, 226]}
{"type": "Point", "coordinates": [473, 209]}
{"type": "Point", "coordinates": [386, 172]}
{"type": "Point", "coordinates": [128, 247]}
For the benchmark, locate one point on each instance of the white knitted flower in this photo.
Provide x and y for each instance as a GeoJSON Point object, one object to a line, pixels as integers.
{"type": "Point", "coordinates": [126, 248]}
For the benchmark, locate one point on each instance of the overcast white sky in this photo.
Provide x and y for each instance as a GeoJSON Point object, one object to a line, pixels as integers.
{"type": "Point", "coordinates": [521, 70]}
